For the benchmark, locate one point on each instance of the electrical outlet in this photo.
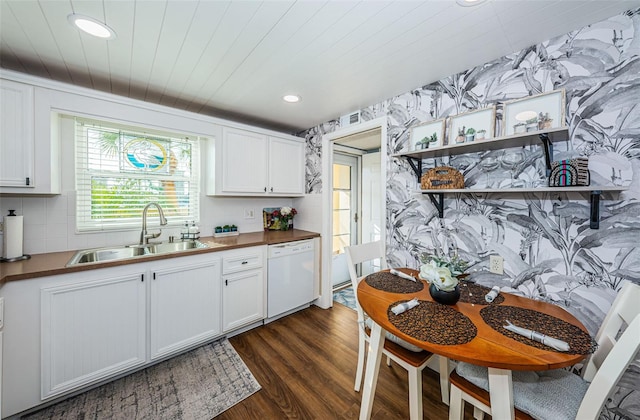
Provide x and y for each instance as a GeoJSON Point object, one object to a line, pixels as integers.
{"type": "Point", "coordinates": [496, 264]}
{"type": "Point", "coordinates": [249, 214]}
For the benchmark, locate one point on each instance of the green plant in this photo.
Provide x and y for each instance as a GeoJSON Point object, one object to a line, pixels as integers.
{"type": "Point", "coordinates": [433, 138]}
{"type": "Point", "coordinates": [482, 131]}
{"type": "Point", "coordinates": [471, 131]}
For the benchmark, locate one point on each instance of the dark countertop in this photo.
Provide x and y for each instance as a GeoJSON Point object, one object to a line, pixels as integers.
{"type": "Point", "coordinates": [53, 263]}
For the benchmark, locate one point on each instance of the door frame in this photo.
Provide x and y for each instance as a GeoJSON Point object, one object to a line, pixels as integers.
{"type": "Point", "coordinates": [326, 297]}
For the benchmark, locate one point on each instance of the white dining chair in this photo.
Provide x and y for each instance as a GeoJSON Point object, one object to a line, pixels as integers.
{"type": "Point", "coordinates": [559, 394]}
{"type": "Point", "coordinates": [410, 357]}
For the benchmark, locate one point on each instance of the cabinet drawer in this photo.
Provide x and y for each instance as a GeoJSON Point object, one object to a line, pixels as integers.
{"type": "Point", "coordinates": [241, 261]}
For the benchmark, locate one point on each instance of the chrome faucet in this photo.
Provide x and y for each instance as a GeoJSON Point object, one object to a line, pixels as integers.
{"type": "Point", "coordinates": [144, 236]}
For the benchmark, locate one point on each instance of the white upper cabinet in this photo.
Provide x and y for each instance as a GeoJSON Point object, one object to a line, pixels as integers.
{"type": "Point", "coordinates": [17, 142]}
{"type": "Point", "coordinates": [286, 166]}
{"type": "Point", "coordinates": [244, 161]}
{"type": "Point", "coordinates": [247, 163]}
{"type": "Point", "coordinates": [29, 140]}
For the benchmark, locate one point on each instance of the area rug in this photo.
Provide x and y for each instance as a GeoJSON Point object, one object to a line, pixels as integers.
{"type": "Point", "coordinates": [346, 297]}
{"type": "Point", "coordinates": [199, 384]}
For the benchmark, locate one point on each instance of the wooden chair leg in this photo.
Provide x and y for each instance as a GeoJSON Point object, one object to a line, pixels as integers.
{"type": "Point", "coordinates": [456, 404]}
{"type": "Point", "coordinates": [415, 394]}
{"type": "Point", "coordinates": [444, 378]}
{"type": "Point", "coordinates": [362, 348]}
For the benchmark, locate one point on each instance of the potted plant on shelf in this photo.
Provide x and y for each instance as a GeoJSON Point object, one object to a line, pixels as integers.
{"type": "Point", "coordinates": [532, 124]}
{"type": "Point", "coordinates": [519, 128]}
{"type": "Point", "coordinates": [234, 228]}
{"type": "Point", "coordinates": [460, 137]}
{"type": "Point", "coordinates": [218, 229]}
{"type": "Point", "coordinates": [544, 121]}
{"type": "Point", "coordinates": [470, 134]}
{"type": "Point", "coordinates": [226, 228]}
{"type": "Point", "coordinates": [480, 134]}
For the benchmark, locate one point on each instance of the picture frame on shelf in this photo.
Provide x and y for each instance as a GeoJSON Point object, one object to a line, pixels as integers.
{"type": "Point", "coordinates": [534, 113]}
{"type": "Point", "coordinates": [472, 126]}
{"type": "Point", "coordinates": [427, 135]}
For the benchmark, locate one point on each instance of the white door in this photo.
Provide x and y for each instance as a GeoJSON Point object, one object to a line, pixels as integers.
{"type": "Point", "coordinates": [185, 307]}
{"type": "Point", "coordinates": [345, 213]}
{"type": "Point", "coordinates": [372, 221]}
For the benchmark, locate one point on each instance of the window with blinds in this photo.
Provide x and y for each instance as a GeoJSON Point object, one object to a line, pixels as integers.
{"type": "Point", "coordinates": [120, 170]}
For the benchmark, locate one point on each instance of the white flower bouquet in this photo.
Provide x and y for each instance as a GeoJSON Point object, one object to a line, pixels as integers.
{"type": "Point", "coordinates": [443, 274]}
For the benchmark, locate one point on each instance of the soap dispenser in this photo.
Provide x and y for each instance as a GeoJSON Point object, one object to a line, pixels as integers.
{"type": "Point", "coordinates": [194, 231]}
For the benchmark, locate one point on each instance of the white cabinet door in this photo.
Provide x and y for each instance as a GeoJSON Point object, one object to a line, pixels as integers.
{"type": "Point", "coordinates": [243, 298]}
{"type": "Point", "coordinates": [91, 330]}
{"type": "Point", "coordinates": [286, 166]}
{"type": "Point", "coordinates": [185, 307]}
{"type": "Point", "coordinates": [244, 162]}
{"type": "Point", "coordinates": [16, 135]}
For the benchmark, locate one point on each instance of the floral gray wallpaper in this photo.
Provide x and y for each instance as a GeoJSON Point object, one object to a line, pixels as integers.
{"type": "Point", "coordinates": [549, 250]}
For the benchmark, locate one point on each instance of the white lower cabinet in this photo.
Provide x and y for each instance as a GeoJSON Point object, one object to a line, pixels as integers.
{"type": "Point", "coordinates": [91, 330]}
{"type": "Point", "coordinates": [243, 287]}
{"type": "Point", "coordinates": [243, 299]}
{"type": "Point", "coordinates": [185, 307]}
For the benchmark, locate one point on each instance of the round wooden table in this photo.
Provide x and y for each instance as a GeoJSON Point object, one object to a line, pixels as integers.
{"type": "Point", "coordinates": [490, 348]}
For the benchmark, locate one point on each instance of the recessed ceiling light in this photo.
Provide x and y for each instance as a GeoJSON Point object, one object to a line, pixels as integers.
{"type": "Point", "coordinates": [291, 98]}
{"type": "Point", "coordinates": [469, 3]}
{"type": "Point", "coordinates": [91, 26]}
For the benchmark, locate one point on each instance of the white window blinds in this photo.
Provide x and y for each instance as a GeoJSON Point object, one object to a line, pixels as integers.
{"type": "Point", "coordinates": [120, 170]}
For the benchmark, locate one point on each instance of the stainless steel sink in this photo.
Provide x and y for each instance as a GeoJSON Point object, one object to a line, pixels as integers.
{"type": "Point", "coordinates": [96, 255]}
{"type": "Point", "coordinates": [165, 247]}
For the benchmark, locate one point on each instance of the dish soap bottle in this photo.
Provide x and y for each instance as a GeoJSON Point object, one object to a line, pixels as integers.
{"type": "Point", "coordinates": [184, 233]}
{"type": "Point", "coordinates": [194, 231]}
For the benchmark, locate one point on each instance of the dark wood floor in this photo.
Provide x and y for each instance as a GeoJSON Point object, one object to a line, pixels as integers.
{"type": "Point", "coordinates": [306, 366]}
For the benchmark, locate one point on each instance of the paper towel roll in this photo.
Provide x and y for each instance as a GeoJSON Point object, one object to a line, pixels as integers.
{"type": "Point", "coordinates": [12, 236]}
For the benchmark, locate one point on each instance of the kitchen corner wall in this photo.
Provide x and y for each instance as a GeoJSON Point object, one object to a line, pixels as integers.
{"type": "Point", "coordinates": [550, 252]}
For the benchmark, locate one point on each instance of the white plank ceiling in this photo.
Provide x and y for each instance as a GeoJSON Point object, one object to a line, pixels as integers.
{"type": "Point", "coordinates": [236, 59]}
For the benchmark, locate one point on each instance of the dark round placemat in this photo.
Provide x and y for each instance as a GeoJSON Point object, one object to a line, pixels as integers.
{"type": "Point", "coordinates": [496, 317]}
{"type": "Point", "coordinates": [474, 293]}
{"type": "Point", "coordinates": [387, 282]}
{"type": "Point", "coordinates": [451, 328]}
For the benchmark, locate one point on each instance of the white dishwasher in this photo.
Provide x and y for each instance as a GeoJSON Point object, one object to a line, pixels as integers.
{"type": "Point", "coordinates": [290, 276]}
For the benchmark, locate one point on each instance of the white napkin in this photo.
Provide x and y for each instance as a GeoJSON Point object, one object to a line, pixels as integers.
{"type": "Point", "coordinates": [539, 337]}
{"type": "Point", "coordinates": [402, 275]}
{"type": "Point", "coordinates": [401, 307]}
{"type": "Point", "coordinates": [495, 291]}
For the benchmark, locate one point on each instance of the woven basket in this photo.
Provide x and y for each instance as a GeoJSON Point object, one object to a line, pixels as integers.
{"type": "Point", "coordinates": [442, 177]}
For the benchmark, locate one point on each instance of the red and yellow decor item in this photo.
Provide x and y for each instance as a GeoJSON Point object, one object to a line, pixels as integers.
{"type": "Point", "coordinates": [278, 218]}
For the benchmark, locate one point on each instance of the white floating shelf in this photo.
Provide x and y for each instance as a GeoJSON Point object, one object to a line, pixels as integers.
{"type": "Point", "coordinates": [526, 190]}
{"type": "Point", "coordinates": [516, 140]}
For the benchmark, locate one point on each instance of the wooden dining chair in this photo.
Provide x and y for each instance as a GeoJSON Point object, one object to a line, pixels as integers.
{"type": "Point", "coordinates": [410, 357]}
{"type": "Point", "coordinates": [559, 394]}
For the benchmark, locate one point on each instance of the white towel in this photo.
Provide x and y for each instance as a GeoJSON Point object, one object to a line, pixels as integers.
{"type": "Point", "coordinates": [401, 307]}
{"type": "Point", "coordinates": [539, 337]}
{"type": "Point", "coordinates": [490, 297]}
{"type": "Point", "coordinates": [402, 275]}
